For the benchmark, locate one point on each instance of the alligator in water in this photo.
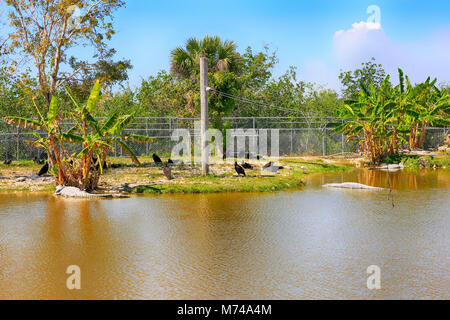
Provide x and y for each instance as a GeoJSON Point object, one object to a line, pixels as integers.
{"type": "Point", "coordinates": [350, 185]}
{"type": "Point", "coordinates": [72, 192]}
{"type": "Point", "coordinates": [391, 167]}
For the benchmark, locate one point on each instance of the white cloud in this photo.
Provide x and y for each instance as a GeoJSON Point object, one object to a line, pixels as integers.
{"type": "Point", "coordinates": [420, 59]}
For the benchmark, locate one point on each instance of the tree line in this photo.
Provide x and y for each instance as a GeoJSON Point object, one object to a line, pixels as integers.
{"type": "Point", "coordinates": [383, 117]}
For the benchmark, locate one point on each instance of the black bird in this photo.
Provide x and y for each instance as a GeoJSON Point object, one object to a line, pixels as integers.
{"type": "Point", "coordinates": [239, 169]}
{"type": "Point", "coordinates": [115, 166]}
{"type": "Point", "coordinates": [104, 166]}
{"type": "Point", "coordinates": [7, 162]}
{"type": "Point", "coordinates": [168, 173]}
{"type": "Point", "coordinates": [37, 161]}
{"type": "Point", "coordinates": [44, 170]}
{"type": "Point", "coordinates": [156, 158]}
{"type": "Point", "coordinates": [268, 165]}
{"type": "Point", "coordinates": [246, 165]}
{"type": "Point", "coordinates": [170, 161]}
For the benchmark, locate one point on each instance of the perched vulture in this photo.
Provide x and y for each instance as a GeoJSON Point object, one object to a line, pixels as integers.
{"type": "Point", "coordinates": [44, 170]}
{"type": "Point", "coordinates": [156, 158]}
{"type": "Point", "coordinates": [239, 169]}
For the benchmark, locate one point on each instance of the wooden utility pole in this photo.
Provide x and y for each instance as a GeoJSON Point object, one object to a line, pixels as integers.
{"type": "Point", "coordinates": [204, 114]}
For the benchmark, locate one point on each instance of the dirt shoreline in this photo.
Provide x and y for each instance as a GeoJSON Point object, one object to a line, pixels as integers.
{"type": "Point", "coordinates": [149, 179]}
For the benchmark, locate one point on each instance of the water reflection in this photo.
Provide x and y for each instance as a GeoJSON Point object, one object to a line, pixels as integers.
{"type": "Point", "coordinates": [314, 243]}
{"type": "Point", "coordinates": [399, 180]}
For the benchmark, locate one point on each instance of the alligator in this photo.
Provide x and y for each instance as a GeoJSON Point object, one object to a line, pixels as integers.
{"type": "Point", "coordinates": [73, 192]}
{"type": "Point", "coordinates": [351, 185]}
{"type": "Point", "coordinates": [391, 167]}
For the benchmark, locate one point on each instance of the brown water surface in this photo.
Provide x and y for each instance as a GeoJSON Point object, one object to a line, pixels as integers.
{"type": "Point", "coordinates": [304, 244]}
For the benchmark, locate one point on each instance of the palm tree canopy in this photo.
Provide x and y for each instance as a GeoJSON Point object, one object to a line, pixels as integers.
{"type": "Point", "coordinates": [222, 55]}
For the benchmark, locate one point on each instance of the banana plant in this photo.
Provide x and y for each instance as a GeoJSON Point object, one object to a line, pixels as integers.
{"type": "Point", "coordinates": [52, 140]}
{"type": "Point", "coordinates": [384, 117]}
{"type": "Point", "coordinates": [429, 108]}
{"type": "Point", "coordinates": [98, 138]}
{"type": "Point", "coordinates": [368, 117]}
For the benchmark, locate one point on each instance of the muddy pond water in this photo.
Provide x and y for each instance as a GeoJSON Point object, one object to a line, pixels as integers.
{"type": "Point", "coordinates": [303, 244]}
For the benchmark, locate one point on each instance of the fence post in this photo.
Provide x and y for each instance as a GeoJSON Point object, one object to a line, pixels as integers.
{"type": "Point", "coordinates": [204, 114]}
{"type": "Point", "coordinates": [324, 140]}
{"type": "Point", "coordinates": [146, 134]}
{"type": "Point", "coordinates": [343, 140]}
{"type": "Point", "coordinates": [17, 143]}
{"type": "Point", "coordinates": [292, 138]}
{"type": "Point", "coordinates": [6, 144]}
{"type": "Point", "coordinates": [170, 134]}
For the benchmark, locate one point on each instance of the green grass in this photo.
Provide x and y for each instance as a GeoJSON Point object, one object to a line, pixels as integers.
{"type": "Point", "coordinates": [254, 182]}
{"type": "Point", "coordinates": [414, 161]}
{"type": "Point", "coordinates": [149, 179]}
{"type": "Point", "coordinates": [224, 183]}
{"type": "Point", "coordinates": [23, 164]}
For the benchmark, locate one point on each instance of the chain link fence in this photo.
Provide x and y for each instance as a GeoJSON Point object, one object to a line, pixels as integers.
{"type": "Point", "coordinates": [297, 136]}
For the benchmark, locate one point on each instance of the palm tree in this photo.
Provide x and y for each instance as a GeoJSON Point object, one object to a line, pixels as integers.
{"type": "Point", "coordinates": [222, 55]}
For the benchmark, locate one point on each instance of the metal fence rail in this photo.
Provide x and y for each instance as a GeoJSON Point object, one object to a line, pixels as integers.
{"type": "Point", "coordinates": [298, 136]}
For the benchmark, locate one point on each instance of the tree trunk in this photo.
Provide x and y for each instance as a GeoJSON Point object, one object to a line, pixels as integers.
{"type": "Point", "coordinates": [422, 135]}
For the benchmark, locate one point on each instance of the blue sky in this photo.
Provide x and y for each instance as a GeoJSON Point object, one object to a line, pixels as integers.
{"type": "Point", "coordinates": [318, 37]}
{"type": "Point", "coordinates": [302, 32]}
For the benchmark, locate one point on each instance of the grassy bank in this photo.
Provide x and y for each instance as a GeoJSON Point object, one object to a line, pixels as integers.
{"type": "Point", "coordinates": [224, 179]}
{"type": "Point", "coordinates": [416, 161]}
{"type": "Point", "coordinates": [149, 179]}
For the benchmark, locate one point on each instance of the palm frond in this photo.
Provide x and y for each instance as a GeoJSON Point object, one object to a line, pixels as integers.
{"type": "Point", "coordinates": [94, 96]}
{"type": "Point", "coordinates": [72, 98]}
{"type": "Point", "coordinates": [129, 151]}
{"type": "Point", "coordinates": [53, 110]}
{"type": "Point", "coordinates": [120, 126]}
{"type": "Point", "coordinates": [24, 122]}
{"type": "Point", "coordinates": [137, 138]}
{"type": "Point", "coordinates": [109, 123]}
{"type": "Point", "coordinates": [73, 138]}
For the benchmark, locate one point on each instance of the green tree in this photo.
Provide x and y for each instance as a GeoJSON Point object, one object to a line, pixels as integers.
{"type": "Point", "coordinates": [369, 73]}
{"type": "Point", "coordinates": [111, 73]}
{"type": "Point", "coordinates": [166, 95]}
{"type": "Point", "coordinates": [46, 29]}
{"type": "Point", "coordinates": [15, 92]}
